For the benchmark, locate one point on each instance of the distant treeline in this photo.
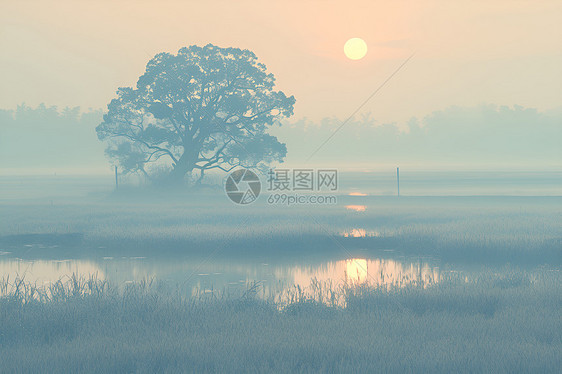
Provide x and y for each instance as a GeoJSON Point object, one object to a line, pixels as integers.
{"type": "Point", "coordinates": [49, 137]}
{"type": "Point", "coordinates": [486, 135]}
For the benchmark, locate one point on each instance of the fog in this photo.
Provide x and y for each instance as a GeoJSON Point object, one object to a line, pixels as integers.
{"type": "Point", "coordinates": [285, 187]}
{"type": "Point", "coordinates": [47, 140]}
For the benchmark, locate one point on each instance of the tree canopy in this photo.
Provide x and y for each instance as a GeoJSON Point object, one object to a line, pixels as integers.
{"type": "Point", "coordinates": [204, 108]}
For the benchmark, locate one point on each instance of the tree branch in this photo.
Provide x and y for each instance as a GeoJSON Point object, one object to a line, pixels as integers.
{"type": "Point", "coordinates": [149, 146]}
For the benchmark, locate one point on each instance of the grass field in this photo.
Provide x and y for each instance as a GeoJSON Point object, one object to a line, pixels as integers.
{"type": "Point", "coordinates": [505, 324]}
{"type": "Point", "coordinates": [505, 318]}
{"type": "Point", "coordinates": [484, 230]}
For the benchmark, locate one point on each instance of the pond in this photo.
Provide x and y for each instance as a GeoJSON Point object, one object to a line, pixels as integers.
{"type": "Point", "coordinates": [208, 275]}
{"type": "Point", "coordinates": [280, 280]}
{"type": "Point", "coordinates": [283, 254]}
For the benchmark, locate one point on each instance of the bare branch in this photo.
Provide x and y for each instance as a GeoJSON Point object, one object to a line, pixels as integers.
{"type": "Point", "coordinates": [149, 146]}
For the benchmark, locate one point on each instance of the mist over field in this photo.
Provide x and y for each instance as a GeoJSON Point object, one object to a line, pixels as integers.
{"type": "Point", "coordinates": [284, 187]}
{"type": "Point", "coordinates": [39, 140]}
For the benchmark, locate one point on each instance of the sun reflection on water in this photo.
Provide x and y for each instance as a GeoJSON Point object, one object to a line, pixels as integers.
{"type": "Point", "coordinates": [357, 208]}
{"type": "Point", "coordinates": [360, 233]}
{"type": "Point", "coordinates": [357, 194]}
{"type": "Point", "coordinates": [336, 276]}
{"type": "Point", "coordinates": [325, 282]}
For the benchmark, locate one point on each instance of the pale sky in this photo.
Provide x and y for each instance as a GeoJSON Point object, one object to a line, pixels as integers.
{"type": "Point", "coordinates": [78, 53]}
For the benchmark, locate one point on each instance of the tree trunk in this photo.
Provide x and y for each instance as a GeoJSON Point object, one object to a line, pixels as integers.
{"type": "Point", "coordinates": [185, 165]}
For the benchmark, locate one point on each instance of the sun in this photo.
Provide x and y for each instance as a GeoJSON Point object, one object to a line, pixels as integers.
{"type": "Point", "coordinates": [355, 48]}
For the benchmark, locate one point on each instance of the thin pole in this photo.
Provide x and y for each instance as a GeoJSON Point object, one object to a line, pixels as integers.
{"type": "Point", "coordinates": [398, 180]}
{"type": "Point", "coordinates": [116, 179]}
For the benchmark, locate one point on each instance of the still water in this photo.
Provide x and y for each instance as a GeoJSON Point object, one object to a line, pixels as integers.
{"type": "Point", "coordinates": [277, 280]}
{"type": "Point", "coordinates": [379, 183]}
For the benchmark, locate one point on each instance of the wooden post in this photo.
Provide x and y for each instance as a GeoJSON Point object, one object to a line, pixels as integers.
{"type": "Point", "coordinates": [116, 179]}
{"type": "Point", "coordinates": [398, 180]}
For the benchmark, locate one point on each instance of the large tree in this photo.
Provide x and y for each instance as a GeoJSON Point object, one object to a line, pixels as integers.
{"type": "Point", "coordinates": [204, 108]}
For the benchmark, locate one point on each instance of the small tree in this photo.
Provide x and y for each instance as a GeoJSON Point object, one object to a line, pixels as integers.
{"type": "Point", "coordinates": [204, 108]}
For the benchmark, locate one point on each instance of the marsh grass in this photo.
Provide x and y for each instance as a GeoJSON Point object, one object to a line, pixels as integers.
{"type": "Point", "coordinates": [504, 320]}
{"type": "Point", "coordinates": [507, 322]}
{"type": "Point", "coordinates": [473, 229]}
